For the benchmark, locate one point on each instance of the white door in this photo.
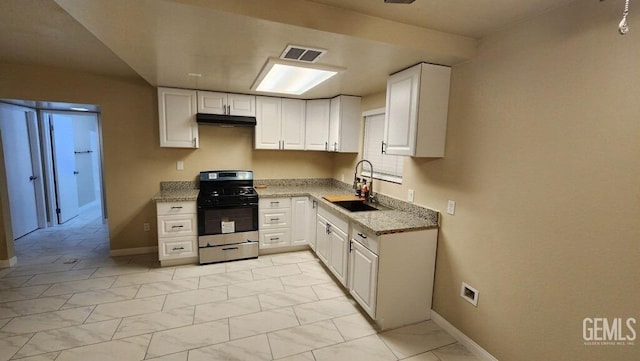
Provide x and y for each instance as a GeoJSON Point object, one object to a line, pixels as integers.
{"type": "Point", "coordinates": [64, 167]}
{"type": "Point", "coordinates": [268, 123]}
{"type": "Point", "coordinates": [241, 104]}
{"type": "Point", "coordinates": [317, 124]}
{"type": "Point", "coordinates": [334, 125]}
{"type": "Point", "coordinates": [402, 115]}
{"type": "Point", "coordinates": [322, 240]}
{"type": "Point", "coordinates": [363, 277]}
{"type": "Point", "coordinates": [293, 118]}
{"type": "Point", "coordinates": [19, 169]}
{"type": "Point", "coordinates": [212, 102]}
{"type": "Point", "coordinates": [299, 224]}
{"type": "Point", "coordinates": [338, 257]}
{"type": "Point", "coordinates": [177, 110]}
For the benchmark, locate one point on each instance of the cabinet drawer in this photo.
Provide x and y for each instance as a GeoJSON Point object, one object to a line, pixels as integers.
{"type": "Point", "coordinates": [169, 208]}
{"type": "Point", "coordinates": [272, 203]}
{"type": "Point", "coordinates": [276, 218]}
{"type": "Point", "coordinates": [178, 247]}
{"type": "Point", "coordinates": [279, 237]}
{"type": "Point", "coordinates": [368, 240]}
{"type": "Point", "coordinates": [180, 225]}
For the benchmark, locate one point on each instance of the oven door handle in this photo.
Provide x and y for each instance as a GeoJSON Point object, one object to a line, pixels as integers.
{"type": "Point", "coordinates": [250, 205]}
{"type": "Point", "coordinates": [229, 248]}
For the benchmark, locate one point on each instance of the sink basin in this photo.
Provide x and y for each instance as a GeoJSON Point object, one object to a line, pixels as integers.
{"type": "Point", "coordinates": [355, 206]}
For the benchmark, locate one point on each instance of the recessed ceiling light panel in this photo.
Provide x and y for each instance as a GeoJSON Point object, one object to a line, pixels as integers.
{"type": "Point", "coordinates": [287, 77]}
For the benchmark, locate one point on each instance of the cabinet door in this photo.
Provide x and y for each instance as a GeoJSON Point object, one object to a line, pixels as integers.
{"type": "Point", "coordinates": [299, 224]}
{"type": "Point", "coordinates": [322, 240]}
{"type": "Point", "coordinates": [334, 125]}
{"type": "Point", "coordinates": [212, 102]}
{"type": "Point", "coordinates": [338, 253]}
{"type": "Point", "coordinates": [363, 277]}
{"type": "Point", "coordinates": [268, 118]}
{"type": "Point", "coordinates": [317, 124]}
{"type": "Point", "coordinates": [311, 223]}
{"type": "Point", "coordinates": [402, 112]}
{"type": "Point", "coordinates": [292, 126]}
{"type": "Point", "coordinates": [177, 110]}
{"type": "Point", "coordinates": [241, 104]}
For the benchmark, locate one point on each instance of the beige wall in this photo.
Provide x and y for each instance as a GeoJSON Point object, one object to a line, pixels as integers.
{"type": "Point", "coordinates": [134, 163]}
{"type": "Point", "coordinates": [542, 158]}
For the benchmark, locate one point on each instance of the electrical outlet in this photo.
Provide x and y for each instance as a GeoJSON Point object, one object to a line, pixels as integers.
{"type": "Point", "coordinates": [146, 227]}
{"type": "Point", "coordinates": [410, 195]}
{"type": "Point", "coordinates": [469, 294]}
{"type": "Point", "coordinates": [451, 207]}
{"type": "Point", "coordinates": [342, 177]}
{"type": "Point", "coordinates": [180, 165]}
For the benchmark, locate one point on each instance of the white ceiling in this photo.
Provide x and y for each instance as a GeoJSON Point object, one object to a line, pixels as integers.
{"type": "Point", "coordinates": [228, 41]}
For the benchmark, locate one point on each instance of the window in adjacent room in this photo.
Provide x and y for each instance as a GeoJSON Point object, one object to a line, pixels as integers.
{"type": "Point", "coordinates": [386, 167]}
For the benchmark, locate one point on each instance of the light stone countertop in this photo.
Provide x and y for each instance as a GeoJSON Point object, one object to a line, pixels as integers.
{"type": "Point", "coordinates": [394, 217]}
{"type": "Point", "coordinates": [384, 221]}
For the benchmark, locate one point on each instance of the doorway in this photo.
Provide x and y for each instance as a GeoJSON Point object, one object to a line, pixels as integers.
{"type": "Point", "coordinates": [59, 154]}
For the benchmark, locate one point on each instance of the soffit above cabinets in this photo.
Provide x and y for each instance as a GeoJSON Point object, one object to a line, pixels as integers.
{"type": "Point", "coordinates": [228, 41]}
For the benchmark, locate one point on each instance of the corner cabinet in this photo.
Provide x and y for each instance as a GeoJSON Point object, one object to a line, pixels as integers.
{"type": "Point", "coordinates": [416, 111]}
{"type": "Point", "coordinates": [177, 110]}
{"type": "Point", "coordinates": [280, 123]}
{"type": "Point", "coordinates": [344, 124]}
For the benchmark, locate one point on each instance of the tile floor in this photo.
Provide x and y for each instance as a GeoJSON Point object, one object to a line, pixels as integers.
{"type": "Point", "coordinates": [68, 300]}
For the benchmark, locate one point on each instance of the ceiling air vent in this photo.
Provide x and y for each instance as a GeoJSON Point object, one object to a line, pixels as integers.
{"type": "Point", "coordinates": [302, 53]}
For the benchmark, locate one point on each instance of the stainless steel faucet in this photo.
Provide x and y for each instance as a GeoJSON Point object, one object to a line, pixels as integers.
{"type": "Point", "coordinates": [355, 175]}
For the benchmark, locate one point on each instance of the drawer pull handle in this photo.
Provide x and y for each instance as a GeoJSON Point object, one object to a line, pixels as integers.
{"type": "Point", "coordinates": [176, 207]}
{"type": "Point", "coordinates": [275, 219]}
{"type": "Point", "coordinates": [362, 235]}
{"type": "Point", "coordinates": [275, 202]}
{"type": "Point", "coordinates": [274, 238]}
{"type": "Point", "coordinates": [229, 249]}
{"type": "Point", "coordinates": [179, 226]}
{"type": "Point", "coordinates": [178, 248]}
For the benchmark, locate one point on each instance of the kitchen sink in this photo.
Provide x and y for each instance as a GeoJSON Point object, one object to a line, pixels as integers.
{"type": "Point", "coordinates": [356, 206]}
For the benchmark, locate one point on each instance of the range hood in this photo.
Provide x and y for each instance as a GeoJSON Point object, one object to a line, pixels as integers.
{"type": "Point", "coordinates": [226, 120]}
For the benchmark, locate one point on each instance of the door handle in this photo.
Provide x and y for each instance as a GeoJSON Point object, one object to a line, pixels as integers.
{"type": "Point", "coordinates": [32, 178]}
{"type": "Point", "coordinates": [383, 151]}
{"type": "Point", "coordinates": [75, 172]}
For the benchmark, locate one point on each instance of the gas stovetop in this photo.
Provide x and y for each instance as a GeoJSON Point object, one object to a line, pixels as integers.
{"type": "Point", "coordinates": [226, 188]}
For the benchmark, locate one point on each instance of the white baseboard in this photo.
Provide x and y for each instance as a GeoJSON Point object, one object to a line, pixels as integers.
{"type": "Point", "coordinates": [473, 347]}
{"type": "Point", "coordinates": [5, 263]}
{"type": "Point", "coordinates": [133, 251]}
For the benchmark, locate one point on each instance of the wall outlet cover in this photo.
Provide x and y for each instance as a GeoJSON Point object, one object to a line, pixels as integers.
{"type": "Point", "coordinates": [411, 195]}
{"type": "Point", "coordinates": [451, 207]}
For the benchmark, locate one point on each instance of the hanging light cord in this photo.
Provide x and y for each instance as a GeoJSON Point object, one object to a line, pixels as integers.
{"type": "Point", "coordinates": [623, 28]}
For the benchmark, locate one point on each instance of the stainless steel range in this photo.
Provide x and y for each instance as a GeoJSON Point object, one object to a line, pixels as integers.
{"type": "Point", "coordinates": [227, 216]}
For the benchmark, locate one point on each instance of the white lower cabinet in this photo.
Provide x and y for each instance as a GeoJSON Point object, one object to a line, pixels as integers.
{"type": "Point", "coordinates": [363, 277]}
{"type": "Point", "coordinates": [332, 243]}
{"type": "Point", "coordinates": [177, 232]}
{"type": "Point", "coordinates": [284, 222]}
{"type": "Point", "coordinates": [391, 275]}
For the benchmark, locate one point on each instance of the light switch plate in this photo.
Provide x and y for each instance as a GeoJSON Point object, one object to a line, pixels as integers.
{"type": "Point", "coordinates": [451, 207]}
{"type": "Point", "coordinates": [410, 195]}
{"type": "Point", "coordinates": [180, 165]}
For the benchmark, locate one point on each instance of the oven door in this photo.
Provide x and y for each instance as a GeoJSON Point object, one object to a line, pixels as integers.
{"type": "Point", "coordinates": [228, 219]}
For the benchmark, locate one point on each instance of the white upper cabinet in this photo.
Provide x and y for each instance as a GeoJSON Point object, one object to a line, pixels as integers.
{"type": "Point", "coordinates": [344, 124]}
{"type": "Point", "coordinates": [177, 110]}
{"type": "Point", "coordinates": [417, 106]}
{"type": "Point", "coordinates": [317, 124]}
{"type": "Point", "coordinates": [226, 103]}
{"type": "Point", "coordinates": [280, 123]}
{"type": "Point", "coordinates": [293, 124]}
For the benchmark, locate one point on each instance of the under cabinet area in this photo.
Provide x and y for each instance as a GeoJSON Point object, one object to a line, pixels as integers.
{"type": "Point", "coordinates": [177, 232]}
{"type": "Point", "coordinates": [177, 110]}
{"type": "Point", "coordinates": [416, 111]}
